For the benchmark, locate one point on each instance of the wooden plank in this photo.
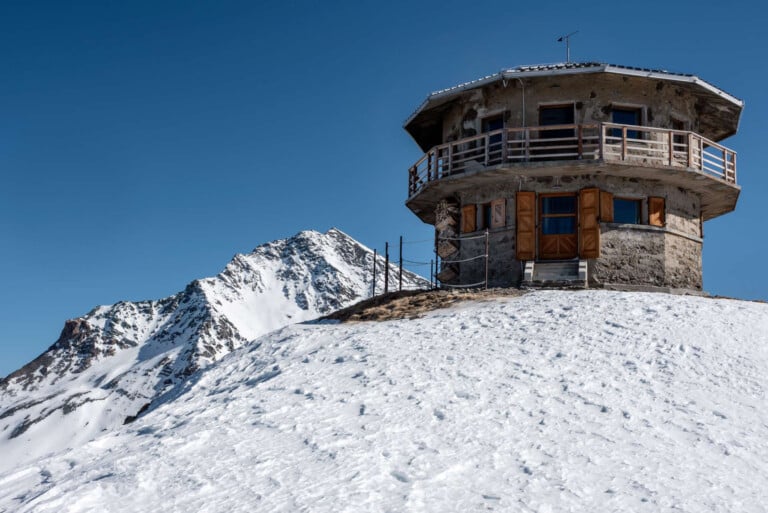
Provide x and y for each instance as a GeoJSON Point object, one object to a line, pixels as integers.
{"type": "Point", "coordinates": [525, 237]}
{"type": "Point", "coordinates": [606, 207]}
{"type": "Point", "coordinates": [589, 229]}
{"type": "Point", "coordinates": [468, 218]}
{"type": "Point", "coordinates": [498, 213]}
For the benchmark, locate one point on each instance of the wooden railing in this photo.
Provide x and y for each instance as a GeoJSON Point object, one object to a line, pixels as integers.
{"type": "Point", "coordinates": [610, 142]}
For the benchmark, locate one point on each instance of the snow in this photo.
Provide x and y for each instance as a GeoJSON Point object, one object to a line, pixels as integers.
{"type": "Point", "coordinates": [554, 401]}
{"type": "Point", "coordinates": [120, 358]}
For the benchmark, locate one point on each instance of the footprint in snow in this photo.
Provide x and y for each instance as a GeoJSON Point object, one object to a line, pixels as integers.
{"type": "Point", "coordinates": [400, 476]}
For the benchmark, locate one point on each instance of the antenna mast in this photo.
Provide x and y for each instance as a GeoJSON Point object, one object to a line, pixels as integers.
{"type": "Point", "coordinates": [567, 39]}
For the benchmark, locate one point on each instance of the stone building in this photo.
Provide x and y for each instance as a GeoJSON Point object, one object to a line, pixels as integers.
{"type": "Point", "coordinates": [582, 174]}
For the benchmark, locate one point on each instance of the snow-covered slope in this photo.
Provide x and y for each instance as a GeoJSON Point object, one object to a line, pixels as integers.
{"type": "Point", "coordinates": [114, 361]}
{"type": "Point", "coordinates": [551, 402]}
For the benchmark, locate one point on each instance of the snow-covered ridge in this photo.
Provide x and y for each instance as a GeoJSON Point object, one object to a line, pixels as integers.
{"type": "Point", "coordinates": [114, 361]}
{"type": "Point", "coordinates": [553, 401]}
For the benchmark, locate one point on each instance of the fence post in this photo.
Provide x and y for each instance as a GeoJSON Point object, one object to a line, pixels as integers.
{"type": "Point", "coordinates": [487, 247]}
{"type": "Point", "coordinates": [437, 259]}
{"type": "Point", "coordinates": [386, 267]}
{"type": "Point", "coordinates": [373, 291]}
{"type": "Point", "coordinates": [400, 278]}
{"type": "Point", "coordinates": [431, 272]}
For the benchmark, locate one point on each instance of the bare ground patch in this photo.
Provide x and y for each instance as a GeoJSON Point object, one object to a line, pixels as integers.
{"type": "Point", "coordinates": [412, 304]}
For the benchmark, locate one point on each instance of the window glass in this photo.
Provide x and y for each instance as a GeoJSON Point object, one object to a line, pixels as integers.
{"type": "Point", "coordinates": [556, 115]}
{"type": "Point", "coordinates": [626, 211]}
{"type": "Point", "coordinates": [560, 115]}
{"type": "Point", "coordinates": [626, 117]}
{"type": "Point", "coordinates": [558, 205]}
{"type": "Point", "coordinates": [558, 225]}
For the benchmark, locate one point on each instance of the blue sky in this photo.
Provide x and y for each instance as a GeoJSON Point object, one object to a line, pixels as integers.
{"type": "Point", "coordinates": [142, 144]}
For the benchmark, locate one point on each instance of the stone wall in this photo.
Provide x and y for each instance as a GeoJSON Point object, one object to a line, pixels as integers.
{"type": "Point", "coordinates": [593, 96]}
{"type": "Point", "coordinates": [628, 256]}
{"type": "Point", "coordinates": [682, 262]}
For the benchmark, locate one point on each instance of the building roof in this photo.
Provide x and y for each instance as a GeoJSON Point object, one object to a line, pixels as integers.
{"type": "Point", "coordinates": [568, 68]}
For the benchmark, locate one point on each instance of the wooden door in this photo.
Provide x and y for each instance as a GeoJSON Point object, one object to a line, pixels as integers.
{"type": "Point", "coordinates": [558, 239]}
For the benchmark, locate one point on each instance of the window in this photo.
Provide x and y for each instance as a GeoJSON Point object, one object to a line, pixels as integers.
{"type": "Point", "coordinates": [485, 216]}
{"type": "Point", "coordinates": [626, 210]}
{"type": "Point", "coordinates": [493, 123]}
{"type": "Point", "coordinates": [556, 115]}
{"type": "Point", "coordinates": [678, 139]}
{"type": "Point", "coordinates": [626, 116]}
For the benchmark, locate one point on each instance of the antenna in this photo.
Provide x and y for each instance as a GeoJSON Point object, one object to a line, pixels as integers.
{"type": "Point", "coordinates": [567, 39]}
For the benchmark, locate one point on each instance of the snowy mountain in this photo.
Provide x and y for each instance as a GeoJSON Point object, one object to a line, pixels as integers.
{"type": "Point", "coordinates": [553, 401]}
{"type": "Point", "coordinates": [113, 362]}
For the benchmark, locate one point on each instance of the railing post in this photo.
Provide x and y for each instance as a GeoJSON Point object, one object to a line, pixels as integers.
{"type": "Point", "coordinates": [701, 153]}
{"type": "Point", "coordinates": [527, 144]}
{"type": "Point", "coordinates": [690, 150]}
{"type": "Point", "coordinates": [601, 140]}
{"type": "Point", "coordinates": [486, 140]}
{"type": "Point", "coordinates": [623, 143]}
{"type": "Point", "coordinates": [671, 147]}
{"type": "Point", "coordinates": [733, 160]}
{"type": "Point", "coordinates": [581, 143]}
{"type": "Point", "coordinates": [725, 164]}
{"type": "Point", "coordinates": [504, 137]}
{"type": "Point", "coordinates": [450, 158]}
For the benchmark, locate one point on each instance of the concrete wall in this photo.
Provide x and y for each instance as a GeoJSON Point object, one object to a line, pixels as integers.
{"type": "Point", "coordinates": [630, 254]}
{"type": "Point", "coordinates": [593, 96]}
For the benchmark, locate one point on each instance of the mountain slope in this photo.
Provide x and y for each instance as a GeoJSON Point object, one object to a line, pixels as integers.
{"type": "Point", "coordinates": [553, 401]}
{"type": "Point", "coordinates": [111, 363]}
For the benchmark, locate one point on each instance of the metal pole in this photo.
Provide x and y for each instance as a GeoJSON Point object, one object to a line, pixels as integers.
{"type": "Point", "coordinates": [373, 291]}
{"type": "Point", "coordinates": [487, 247]}
{"type": "Point", "coordinates": [431, 272]}
{"type": "Point", "coordinates": [386, 267]}
{"type": "Point", "coordinates": [400, 278]}
{"type": "Point", "coordinates": [437, 260]}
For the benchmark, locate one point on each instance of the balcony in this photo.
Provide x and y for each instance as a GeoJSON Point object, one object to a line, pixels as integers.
{"type": "Point", "coordinates": [604, 143]}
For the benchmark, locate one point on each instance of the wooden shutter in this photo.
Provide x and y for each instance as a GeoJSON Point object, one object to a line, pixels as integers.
{"type": "Point", "coordinates": [468, 218]}
{"type": "Point", "coordinates": [525, 240]}
{"type": "Point", "coordinates": [589, 229]}
{"type": "Point", "coordinates": [656, 211]}
{"type": "Point", "coordinates": [498, 213]}
{"type": "Point", "coordinates": [606, 207]}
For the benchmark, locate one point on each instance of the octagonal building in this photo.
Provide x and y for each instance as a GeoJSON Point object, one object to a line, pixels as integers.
{"type": "Point", "coordinates": [574, 174]}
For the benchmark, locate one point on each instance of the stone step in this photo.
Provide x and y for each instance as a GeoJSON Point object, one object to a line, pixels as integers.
{"type": "Point", "coordinates": [556, 271]}
{"type": "Point", "coordinates": [571, 273]}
